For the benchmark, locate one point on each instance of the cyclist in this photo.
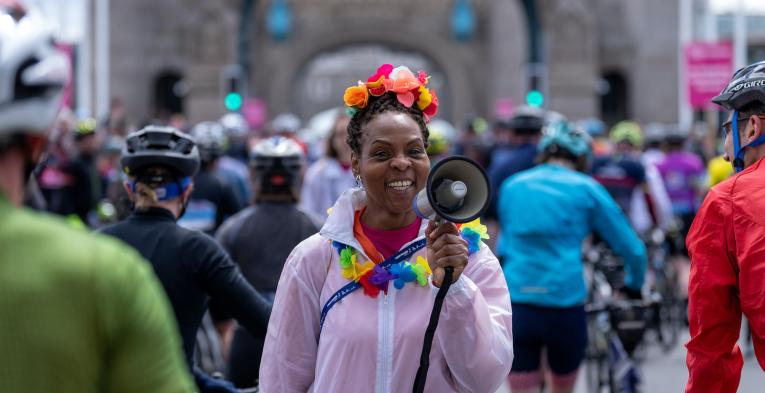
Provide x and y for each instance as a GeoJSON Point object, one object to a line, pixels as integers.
{"type": "Point", "coordinates": [596, 129]}
{"type": "Point", "coordinates": [629, 182]}
{"type": "Point", "coordinates": [329, 177]}
{"type": "Point", "coordinates": [81, 188]}
{"type": "Point", "coordinates": [621, 172]}
{"type": "Point", "coordinates": [440, 140]}
{"type": "Point", "coordinates": [684, 178]}
{"type": "Point", "coordinates": [80, 312]}
{"type": "Point", "coordinates": [288, 125]}
{"type": "Point", "coordinates": [545, 214]}
{"type": "Point", "coordinates": [260, 249]}
{"type": "Point", "coordinates": [192, 267]}
{"type": "Point", "coordinates": [233, 164]}
{"type": "Point", "coordinates": [526, 125]}
{"type": "Point", "coordinates": [725, 246]}
{"type": "Point", "coordinates": [214, 198]}
{"type": "Point", "coordinates": [652, 155]}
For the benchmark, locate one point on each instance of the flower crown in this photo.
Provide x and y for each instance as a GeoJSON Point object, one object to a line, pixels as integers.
{"type": "Point", "coordinates": [409, 89]}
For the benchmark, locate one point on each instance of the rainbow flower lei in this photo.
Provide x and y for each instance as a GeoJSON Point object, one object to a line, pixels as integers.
{"type": "Point", "coordinates": [375, 279]}
{"type": "Point", "coordinates": [410, 89]}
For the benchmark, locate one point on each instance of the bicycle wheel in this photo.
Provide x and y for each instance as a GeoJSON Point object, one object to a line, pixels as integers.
{"type": "Point", "coordinates": [670, 310]}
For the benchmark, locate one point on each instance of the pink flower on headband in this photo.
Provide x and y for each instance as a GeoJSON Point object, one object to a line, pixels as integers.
{"type": "Point", "coordinates": [423, 77]}
{"type": "Point", "coordinates": [375, 82]}
{"type": "Point", "coordinates": [403, 82]}
{"type": "Point", "coordinates": [382, 71]}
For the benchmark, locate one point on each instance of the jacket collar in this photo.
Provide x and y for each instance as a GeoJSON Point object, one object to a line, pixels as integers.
{"type": "Point", "coordinates": [155, 213]}
{"type": "Point", "coordinates": [339, 224]}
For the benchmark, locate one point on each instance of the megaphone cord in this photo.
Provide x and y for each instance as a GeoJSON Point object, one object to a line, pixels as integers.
{"type": "Point", "coordinates": [422, 372]}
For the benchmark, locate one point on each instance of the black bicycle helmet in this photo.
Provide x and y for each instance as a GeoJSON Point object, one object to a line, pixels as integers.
{"type": "Point", "coordinates": [160, 146]}
{"type": "Point", "coordinates": [746, 86]}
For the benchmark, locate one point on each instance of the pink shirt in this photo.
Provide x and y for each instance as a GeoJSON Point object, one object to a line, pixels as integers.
{"type": "Point", "coordinates": [388, 242]}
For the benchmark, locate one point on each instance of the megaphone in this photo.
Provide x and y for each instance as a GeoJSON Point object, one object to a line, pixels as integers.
{"type": "Point", "coordinates": [458, 191]}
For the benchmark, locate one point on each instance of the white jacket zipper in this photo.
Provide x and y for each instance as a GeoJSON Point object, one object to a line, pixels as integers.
{"type": "Point", "coordinates": [385, 343]}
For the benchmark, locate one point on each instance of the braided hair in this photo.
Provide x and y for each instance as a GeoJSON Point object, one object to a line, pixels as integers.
{"type": "Point", "coordinates": [377, 105]}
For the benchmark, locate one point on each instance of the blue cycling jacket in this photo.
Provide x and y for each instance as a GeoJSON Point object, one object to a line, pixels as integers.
{"type": "Point", "coordinates": [545, 214]}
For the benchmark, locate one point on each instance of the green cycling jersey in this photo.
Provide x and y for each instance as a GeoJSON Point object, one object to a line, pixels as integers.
{"type": "Point", "coordinates": [80, 312]}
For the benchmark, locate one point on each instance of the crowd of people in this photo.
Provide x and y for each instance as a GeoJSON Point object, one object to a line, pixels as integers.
{"type": "Point", "coordinates": [220, 249]}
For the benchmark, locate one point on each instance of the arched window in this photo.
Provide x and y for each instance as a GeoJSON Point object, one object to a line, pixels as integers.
{"type": "Point", "coordinates": [169, 91]}
{"type": "Point", "coordinates": [613, 97]}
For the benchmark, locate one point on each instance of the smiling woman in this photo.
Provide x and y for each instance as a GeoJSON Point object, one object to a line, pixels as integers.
{"type": "Point", "coordinates": [391, 162]}
{"type": "Point", "coordinates": [331, 330]}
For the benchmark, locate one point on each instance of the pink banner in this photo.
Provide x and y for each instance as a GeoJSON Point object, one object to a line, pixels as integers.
{"type": "Point", "coordinates": [708, 68]}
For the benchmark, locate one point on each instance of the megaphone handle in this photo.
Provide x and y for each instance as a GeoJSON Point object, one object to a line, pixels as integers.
{"type": "Point", "coordinates": [422, 372]}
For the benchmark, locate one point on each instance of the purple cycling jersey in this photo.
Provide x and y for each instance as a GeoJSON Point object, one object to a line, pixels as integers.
{"type": "Point", "coordinates": [681, 172]}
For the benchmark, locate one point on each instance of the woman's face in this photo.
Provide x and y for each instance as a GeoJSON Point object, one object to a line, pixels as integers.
{"type": "Point", "coordinates": [393, 164]}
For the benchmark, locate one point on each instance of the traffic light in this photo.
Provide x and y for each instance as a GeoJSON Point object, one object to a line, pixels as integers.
{"type": "Point", "coordinates": [535, 98]}
{"type": "Point", "coordinates": [233, 101]}
{"type": "Point", "coordinates": [232, 87]}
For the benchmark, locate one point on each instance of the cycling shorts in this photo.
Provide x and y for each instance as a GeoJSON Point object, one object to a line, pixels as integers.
{"type": "Point", "coordinates": [562, 331]}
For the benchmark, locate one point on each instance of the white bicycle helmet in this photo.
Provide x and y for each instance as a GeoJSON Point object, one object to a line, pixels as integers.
{"type": "Point", "coordinates": [33, 72]}
{"type": "Point", "coordinates": [286, 122]}
{"type": "Point", "coordinates": [234, 125]}
{"type": "Point", "coordinates": [211, 140]}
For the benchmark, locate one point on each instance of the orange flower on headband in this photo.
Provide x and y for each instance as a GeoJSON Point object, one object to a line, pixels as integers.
{"type": "Point", "coordinates": [408, 87]}
{"type": "Point", "coordinates": [356, 96]}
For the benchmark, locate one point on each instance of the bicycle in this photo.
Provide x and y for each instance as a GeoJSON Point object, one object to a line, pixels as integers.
{"type": "Point", "coordinates": [614, 328]}
{"type": "Point", "coordinates": [608, 364]}
{"type": "Point", "coordinates": [666, 313]}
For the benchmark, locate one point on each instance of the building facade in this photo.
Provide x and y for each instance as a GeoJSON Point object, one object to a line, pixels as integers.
{"type": "Point", "coordinates": [609, 58]}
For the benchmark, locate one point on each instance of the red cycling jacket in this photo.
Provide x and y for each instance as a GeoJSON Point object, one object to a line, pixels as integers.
{"type": "Point", "coordinates": [726, 244]}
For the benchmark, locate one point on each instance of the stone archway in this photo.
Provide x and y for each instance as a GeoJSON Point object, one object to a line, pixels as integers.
{"type": "Point", "coordinates": [322, 80]}
{"type": "Point", "coordinates": [276, 75]}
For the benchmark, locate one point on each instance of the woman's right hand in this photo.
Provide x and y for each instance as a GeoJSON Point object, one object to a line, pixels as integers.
{"type": "Point", "coordinates": [446, 248]}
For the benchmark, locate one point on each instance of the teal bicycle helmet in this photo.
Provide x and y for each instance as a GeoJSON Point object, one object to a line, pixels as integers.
{"type": "Point", "coordinates": [563, 135]}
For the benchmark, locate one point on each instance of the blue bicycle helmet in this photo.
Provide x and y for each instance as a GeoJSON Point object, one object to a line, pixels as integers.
{"type": "Point", "coordinates": [562, 135]}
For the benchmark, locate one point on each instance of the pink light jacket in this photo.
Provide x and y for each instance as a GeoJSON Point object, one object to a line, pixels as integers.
{"type": "Point", "coordinates": [374, 345]}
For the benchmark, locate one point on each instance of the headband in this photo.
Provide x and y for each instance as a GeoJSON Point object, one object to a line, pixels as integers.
{"type": "Point", "coordinates": [408, 88]}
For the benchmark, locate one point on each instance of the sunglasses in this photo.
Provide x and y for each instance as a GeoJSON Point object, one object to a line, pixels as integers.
{"type": "Point", "coordinates": [729, 124]}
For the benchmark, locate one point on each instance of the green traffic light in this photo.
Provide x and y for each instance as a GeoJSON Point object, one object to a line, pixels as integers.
{"type": "Point", "coordinates": [233, 101]}
{"type": "Point", "coordinates": [535, 98]}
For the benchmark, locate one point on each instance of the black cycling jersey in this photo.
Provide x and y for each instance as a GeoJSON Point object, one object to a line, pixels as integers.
{"type": "Point", "coordinates": [261, 237]}
{"type": "Point", "coordinates": [192, 268]}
